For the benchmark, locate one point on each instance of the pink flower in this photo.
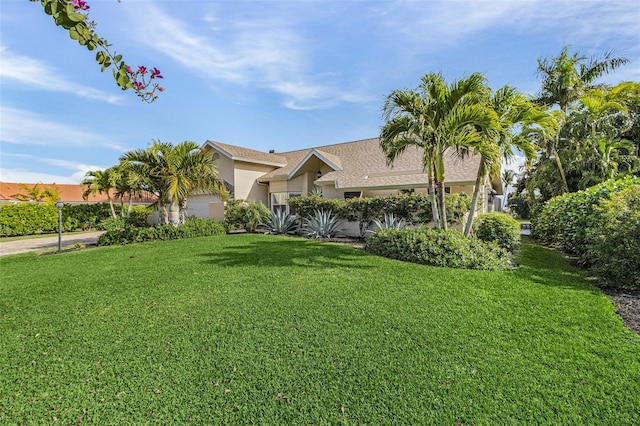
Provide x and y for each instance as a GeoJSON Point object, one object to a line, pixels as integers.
{"type": "Point", "coordinates": [138, 85]}
{"type": "Point", "coordinates": [155, 72]}
{"type": "Point", "coordinates": [160, 89]}
{"type": "Point", "coordinates": [80, 4]}
{"type": "Point", "coordinates": [142, 70]}
{"type": "Point", "coordinates": [129, 70]}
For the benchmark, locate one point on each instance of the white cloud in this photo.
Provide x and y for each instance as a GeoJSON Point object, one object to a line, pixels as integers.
{"type": "Point", "coordinates": [35, 73]}
{"type": "Point", "coordinates": [33, 175]}
{"type": "Point", "coordinates": [26, 128]}
{"type": "Point", "coordinates": [267, 53]}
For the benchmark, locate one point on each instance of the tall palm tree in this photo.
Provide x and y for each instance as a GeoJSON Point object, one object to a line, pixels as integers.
{"type": "Point", "coordinates": [512, 112]}
{"type": "Point", "coordinates": [101, 182]}
{"type": "Point", "coordinates": [435, 117]}
{"type": "Point", "coordinates": [566, 77]}
{"type": "Point", "coordinates": [173, 173]}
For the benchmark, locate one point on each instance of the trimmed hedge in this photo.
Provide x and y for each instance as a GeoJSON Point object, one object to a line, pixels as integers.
{"type": "Point", "coordinates": [600, 226]}
{"type": "Point", "coordinates": [194, 227]}
{"type": "Point", "coordinates": [499, 228]}
{"type": "Point", "coordinates": [413, 208]}
{"type": "Point", "coordinates": [33, 218]}
{"type": "Point", "coordinates": [27, 219]}
{"type": "Point", "coordinates": [450, 249]}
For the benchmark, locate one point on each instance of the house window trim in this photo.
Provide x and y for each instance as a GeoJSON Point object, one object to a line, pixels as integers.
{"type": "Point", "coordinates": [288, 195]}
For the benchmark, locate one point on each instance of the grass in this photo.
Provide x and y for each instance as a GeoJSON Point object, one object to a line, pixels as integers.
{"type": "Point", "coordinates": [251, 329]}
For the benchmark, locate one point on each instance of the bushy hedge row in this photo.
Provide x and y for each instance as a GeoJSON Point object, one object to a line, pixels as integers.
{"type": "Point", "coordinates": [414, 208]}
{"type": "Point", "coordinates": [450, 249]}
{"type": "Point", "coordinates": [499, 228]}
{"type": "Point", "coordinates": [600, 226]}
{"type": "Point", "coordinates": [27, 219]}
{"type": "Point", "coordinates": [194, 227]}
{"type": "Point", "coordinates": [34, 218]}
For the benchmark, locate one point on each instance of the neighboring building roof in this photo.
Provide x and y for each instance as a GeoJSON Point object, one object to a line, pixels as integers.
{"type": "Point", "coordinates": [248, 155]}
{"type": "Point", "coordinates": [363, 164]}
{"type": "Point", "coordinates": [68, 193]}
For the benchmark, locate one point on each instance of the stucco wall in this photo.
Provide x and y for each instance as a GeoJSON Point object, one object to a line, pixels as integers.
{"type": "Point", "coordinates": [246, 187]}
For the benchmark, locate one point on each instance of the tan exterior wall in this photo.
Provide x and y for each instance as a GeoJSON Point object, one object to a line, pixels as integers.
{"type": "Point", "coordinates": [245, 185]}
{"type": "Point", "coordinates": [278, 186]}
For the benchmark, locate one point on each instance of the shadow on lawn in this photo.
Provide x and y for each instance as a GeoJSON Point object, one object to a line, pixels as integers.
{"type": "Point", "coordinates": [287, 252]}
{"type": "Point", "coordinates": [545, 266]}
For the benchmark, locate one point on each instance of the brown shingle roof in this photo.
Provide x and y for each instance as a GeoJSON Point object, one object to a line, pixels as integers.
{"type": "Point", "coordinates": [245, 154]}
{"type": "Point", "coordinates": [364, 165]}
{"type": "Point", "coordinates": [68, 193]}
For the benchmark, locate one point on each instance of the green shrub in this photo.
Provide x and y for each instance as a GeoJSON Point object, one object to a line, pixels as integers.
{"type": "Point", "coordinates": [27, 219]}
{"type": "Point", "coordinates": [245, 214]}
{"type": "Point", "coordinates": [194, 227]}
{"type": "Point", "coordinates": [112, 224]}
{"type": "Point", "coordinates": [499, 228]}
{"type": "Point", "coordinates": [615, 248]}
{"type": "Point", "coordinates": [450, 249]}
{"type": "Point", "coordinates": [564, 220]}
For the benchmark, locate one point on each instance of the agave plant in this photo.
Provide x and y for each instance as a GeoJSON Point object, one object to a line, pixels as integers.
{"type": "Point", "coordinates": [390, 222]}
{"type": "Point", "coordinates": [323, 224]}
{"type": "Point", "coordinates": [281, 223]}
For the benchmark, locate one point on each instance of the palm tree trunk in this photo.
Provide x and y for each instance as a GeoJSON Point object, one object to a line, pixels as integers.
{"type": "Point", "coordinates": [434, 202]}
{"type": "Point", "coordinates": [565, 186]}
{"type": "Point", "coordinates": [130, 205]}
{"type": "Point", "coordinates": [113, 211]}
{"type": "Point", "coordinates": [443, 207]}
{"type": "Point", "coordinates": [174, 213]}
{"type": "Point", "coordinates": [474, 203]}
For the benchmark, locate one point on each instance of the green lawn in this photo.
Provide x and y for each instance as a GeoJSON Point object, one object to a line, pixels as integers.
{"type": "Point", "coordinates": [252, 329]}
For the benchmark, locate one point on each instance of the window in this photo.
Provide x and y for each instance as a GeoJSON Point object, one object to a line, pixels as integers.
{"type": "Point", "coordinates": [349, 195]}
{"type": "Point", "coordinates": [215, 156]}
{"type": "Point", "coordinates": [279, 201]}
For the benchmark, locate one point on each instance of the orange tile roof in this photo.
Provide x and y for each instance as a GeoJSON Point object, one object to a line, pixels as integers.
{"type": "Point", "coordinates": [68, 193]}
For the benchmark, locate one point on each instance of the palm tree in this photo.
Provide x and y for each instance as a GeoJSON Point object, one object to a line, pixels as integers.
{"type": "Point", "coordinates": [566, 77]}
{"type": "Point", "coordinates": [435, 118]}
{"type": "Point", "coordinates": [100, 182]}
{"type": "Point", "coordinates": [173, 173]}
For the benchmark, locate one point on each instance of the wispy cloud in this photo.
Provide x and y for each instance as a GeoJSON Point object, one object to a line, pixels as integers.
{"type": "Point", "coordinates": [27, 128]}
{"type": "Point", "coordinates": [34, 73]}
{"type": "Point", "coordinates": [77, 170]}
{"type": "Point", "coordinates": [265, 53]}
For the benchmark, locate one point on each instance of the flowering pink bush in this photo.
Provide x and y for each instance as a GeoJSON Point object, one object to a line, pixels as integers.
{"type": "Point", "coordinates": [75, 20]}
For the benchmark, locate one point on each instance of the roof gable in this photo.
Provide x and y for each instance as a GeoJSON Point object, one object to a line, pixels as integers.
{"type": "Point", "coordinates": [238, 153]}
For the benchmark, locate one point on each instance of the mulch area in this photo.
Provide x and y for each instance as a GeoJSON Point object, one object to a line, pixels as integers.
{"type": "Point", "coordinates": [628, 304]}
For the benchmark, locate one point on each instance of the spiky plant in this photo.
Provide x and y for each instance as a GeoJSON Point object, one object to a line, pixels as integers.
{"type": "Point", "coordinates": [281, 223]}
{"type": "Point", "coordinates": [390, 222]}
{"type": "Point", "coordinates": [323, 224]}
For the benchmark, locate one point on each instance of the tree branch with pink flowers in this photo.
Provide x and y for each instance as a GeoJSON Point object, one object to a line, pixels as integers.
{"type": "Point", "coordinates": [73, 16]}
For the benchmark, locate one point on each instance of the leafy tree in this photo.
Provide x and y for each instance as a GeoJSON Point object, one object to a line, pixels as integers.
{"type": "Point", "coordinates": [173, 173]}
{"type": "Point", "coordinates": [46, 194]}
{"type": "Point", "coordinates": [434, 118]}
{"type": "Point", "coordinates": [73, 16]}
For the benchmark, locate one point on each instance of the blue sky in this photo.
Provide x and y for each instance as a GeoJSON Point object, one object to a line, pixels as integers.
{"type": "Point", "coordinates": [267, 74]}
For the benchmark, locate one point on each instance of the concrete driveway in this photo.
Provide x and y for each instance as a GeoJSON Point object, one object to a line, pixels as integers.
{"type": "Point", "coordinates": [43, 243]}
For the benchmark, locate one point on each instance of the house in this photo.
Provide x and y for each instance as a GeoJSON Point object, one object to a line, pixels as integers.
{"type": "Point", "coordinates": [69, 193]}
{"type": "Point", "coordinates": [345, 170]}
